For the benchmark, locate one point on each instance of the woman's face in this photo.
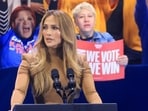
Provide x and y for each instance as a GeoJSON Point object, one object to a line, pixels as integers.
{"type": "Point", "coordinates": [85, 20]}
{"type": "Point", "coordinates": [24, 24]}
{"type": "Point", "coordinates": [51, 32]}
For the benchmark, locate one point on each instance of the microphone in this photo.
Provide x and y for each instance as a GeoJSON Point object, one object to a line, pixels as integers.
{"type": "Point", "coordinates": [70, 76]}
{"type": "Point", "coordinates": [56, 84]}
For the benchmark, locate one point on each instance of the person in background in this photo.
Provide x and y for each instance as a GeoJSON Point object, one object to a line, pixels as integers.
{"type": "Point", "coordinates": [141, 17]}
{"type": "Point", "coordinates": [104, 9]}
{"type": "Point", "coordinates": [6, 8]}
{"type": "Point", "coordinates": [19, 38]}
{"type": "Point", "coordinates": [85, 16]}
{"type": "Point", "coordinates": [54, 51]}
{"type": "Point", "coordinates": [122, 25]}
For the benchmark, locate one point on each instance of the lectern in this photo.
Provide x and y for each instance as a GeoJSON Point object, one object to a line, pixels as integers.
{"type": "Point", "coordinates": [67, 107]}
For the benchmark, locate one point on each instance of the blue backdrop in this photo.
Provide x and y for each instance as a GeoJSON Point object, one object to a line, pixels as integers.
{"type": "Point", "coordinates": [131, 93]}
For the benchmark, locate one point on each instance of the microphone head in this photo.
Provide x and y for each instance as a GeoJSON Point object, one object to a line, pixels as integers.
{"type": "Point", "coordinates": [54, 74]}
{"type": "Point", "coordinates": [70, 73]}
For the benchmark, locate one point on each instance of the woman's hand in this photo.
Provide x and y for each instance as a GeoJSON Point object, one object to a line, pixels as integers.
{"type": "Point", "coordinates": [38, 8]}
{"type": "Point", "coordinates": [122, 60]}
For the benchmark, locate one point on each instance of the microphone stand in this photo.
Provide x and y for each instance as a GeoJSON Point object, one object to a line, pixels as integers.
{"type": "Point", "coordinates": [64, 97]}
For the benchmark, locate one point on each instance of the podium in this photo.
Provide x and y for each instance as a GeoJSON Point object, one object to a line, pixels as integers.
{"type": "Point", "coordinates": [67, 107]}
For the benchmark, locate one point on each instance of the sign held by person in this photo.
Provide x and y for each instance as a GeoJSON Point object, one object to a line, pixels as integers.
{"type": "Point", "coordinates": [102, 59]}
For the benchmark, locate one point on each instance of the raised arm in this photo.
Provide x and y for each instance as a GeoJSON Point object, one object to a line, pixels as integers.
{"type": "Point", "coordinates": [4, 17]}
{"type": "Point", "coordinates": [6, 9]}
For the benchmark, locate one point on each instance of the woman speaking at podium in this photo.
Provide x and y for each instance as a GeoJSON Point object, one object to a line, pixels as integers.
{"type": "Point", "coordinates": [46, 66]}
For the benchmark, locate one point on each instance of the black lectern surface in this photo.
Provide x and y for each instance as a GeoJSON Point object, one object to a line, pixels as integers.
{"type": "Point", "coordinates": [67, 107]}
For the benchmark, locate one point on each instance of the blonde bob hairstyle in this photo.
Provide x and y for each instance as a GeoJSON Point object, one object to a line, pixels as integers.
{"type": "Point", "coordinates": [83, 5]}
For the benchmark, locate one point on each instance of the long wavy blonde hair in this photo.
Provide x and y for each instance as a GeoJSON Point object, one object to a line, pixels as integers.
{"type": "Point", "coordinates": [67, 52]}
